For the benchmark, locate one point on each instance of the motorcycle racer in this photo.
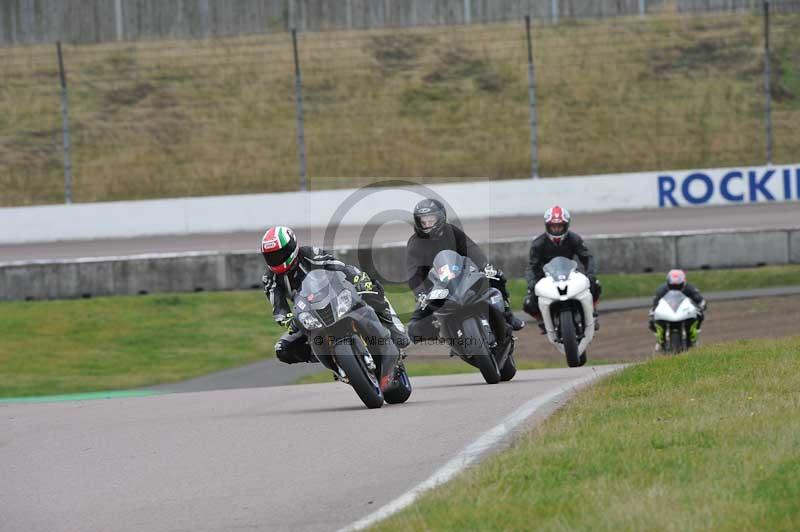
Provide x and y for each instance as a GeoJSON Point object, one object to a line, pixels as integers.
{"type": "Point", "coordinates": [432, 234]}
{"type": "Point", "coordinates": [557, 241]}
{"type": "Point", "coordinates": [287, 266]}
{"type": "Point", "coordinates": [676, 280]}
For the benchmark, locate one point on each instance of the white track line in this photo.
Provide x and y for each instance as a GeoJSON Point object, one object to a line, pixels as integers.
{"type": "Point", "coordinates": [476, 449]}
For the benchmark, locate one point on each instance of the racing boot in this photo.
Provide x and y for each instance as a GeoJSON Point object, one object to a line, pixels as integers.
{"type": "Point", "coordinates": [514, 322]}
{"type": "Point", "coordinates": [542, 328]}
{"type": "Point", "coordinates": [596, 320]}
{"type": "Point", "coordinates": [396, 328]}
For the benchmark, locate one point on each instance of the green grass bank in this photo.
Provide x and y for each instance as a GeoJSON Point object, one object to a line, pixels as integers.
{"type": "Point", "coordinates": [704, 441]}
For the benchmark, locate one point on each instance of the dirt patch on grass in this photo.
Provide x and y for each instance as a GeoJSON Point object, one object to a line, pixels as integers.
{"type": "Point", "coordinates": [396, 53]}
{"type": "Point", "coordinates": [721, 54]}
{"type": "Point", "coordinates": [457, 64]}
{"type": "Point", "coordinates": [131, 95]}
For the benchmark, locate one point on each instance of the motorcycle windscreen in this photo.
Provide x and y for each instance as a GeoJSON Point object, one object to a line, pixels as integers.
{"type": "Point", "coordinates": [560, 268]}
{"type": "Point", "coordinates": [674, 298]}
{"type": "Point", "coordinates": [455, 274]}
{"type": "Point", "coordinates": [320, 287]}
{"type": "Point", "coordinates": [447, 265]}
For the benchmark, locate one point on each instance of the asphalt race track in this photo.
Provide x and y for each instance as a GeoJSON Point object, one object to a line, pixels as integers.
{"type": "Point", "coordinates": [762, 216]}
{"type": "Point", "coordinates": [282, 458]}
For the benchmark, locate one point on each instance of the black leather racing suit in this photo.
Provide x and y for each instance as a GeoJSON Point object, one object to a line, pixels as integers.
{"type": "Point", "coordinates": [280, 289]}
{"type": "Point", "coordinates": [420, 252]}
{"type": "Point", "coordinates": [542, 251]}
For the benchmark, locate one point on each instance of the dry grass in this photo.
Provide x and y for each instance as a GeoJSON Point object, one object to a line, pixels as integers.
{"type": "Point", "coordinates": [161, 119]}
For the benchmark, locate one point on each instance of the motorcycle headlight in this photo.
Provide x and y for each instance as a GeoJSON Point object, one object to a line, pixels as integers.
{"type": "Point", "coordinates": [309, 321]}
{"type": "Point", "coordinates": [343, 302]}
{"type": "Point", "coordinates": [439, 293]}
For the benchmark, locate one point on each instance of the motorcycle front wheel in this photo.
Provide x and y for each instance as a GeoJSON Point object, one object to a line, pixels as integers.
{"type": "Point", "coordinates": [350, 359]}
{"type": "Point", "coordinates": [570, 339]}
{"type": "Point", "coordinates": [676, 341]}
{"type": "Point", "coordinates": [479, 351]}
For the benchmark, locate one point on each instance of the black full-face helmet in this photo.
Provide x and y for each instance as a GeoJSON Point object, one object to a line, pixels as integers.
{"type": "Point", "coordinates": [430, 217]}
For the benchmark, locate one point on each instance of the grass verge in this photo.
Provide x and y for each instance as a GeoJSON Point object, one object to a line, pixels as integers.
{"type": "Point", "coordinates": [55, 347]}
{"type": "Point", "coordinates": [58, 347]}
{"type": "Point", "coordinates": [702, 441]}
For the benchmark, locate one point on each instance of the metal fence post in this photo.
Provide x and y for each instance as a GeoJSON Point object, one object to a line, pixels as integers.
{"type": "Point", "coordinates": [467, 11]}
{"type": "Point", "coordinates": [642, 7]}
{"type": "Point", "coordinates": [65, 127]}
{"type": "Point", "coordinates": [301, 139]}
{"type": "Point", "coordinates": [118, 18]}
{"type": "Point", "coordinates": [553, 11]}
{"type": "Point", "coordinates": [532, 102]}
{"type": "Point", "coordinates": [767, 84]}
{"type": "Point", "coordinates": [205, 18]}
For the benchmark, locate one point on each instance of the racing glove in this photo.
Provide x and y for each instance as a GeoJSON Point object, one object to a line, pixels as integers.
{"type": "Point", "coordinates": [491, 272]}
{"type": "Point", "coordinates": [289, 323]}
{"type": "Point", "coordinates": [363, 283]}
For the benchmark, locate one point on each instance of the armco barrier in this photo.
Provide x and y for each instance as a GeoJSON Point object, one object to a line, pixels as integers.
{"type": "Point", "coordinates": [190, 272]}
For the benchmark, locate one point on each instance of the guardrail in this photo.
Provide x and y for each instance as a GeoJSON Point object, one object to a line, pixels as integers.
{"type": "Point", "coordinates": [194, 272]}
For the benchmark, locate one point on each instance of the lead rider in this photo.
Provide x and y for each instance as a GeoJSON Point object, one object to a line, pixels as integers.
{"type": "Point", "coordinates": [287, 266]}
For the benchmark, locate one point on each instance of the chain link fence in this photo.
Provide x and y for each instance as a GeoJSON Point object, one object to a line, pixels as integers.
{"type": "Point", "coordinates": [446, 103]}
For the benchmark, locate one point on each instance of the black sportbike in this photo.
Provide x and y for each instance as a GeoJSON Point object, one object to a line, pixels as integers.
{"type": "Point", "coordinates": [348, 338]}
{"type": "Point", "coordinates": [469, 313]}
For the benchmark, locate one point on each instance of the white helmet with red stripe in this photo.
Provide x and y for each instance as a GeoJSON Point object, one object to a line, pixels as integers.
{"type": "Point", "coordinates": [556, 223]}
{"type": "Point", "coordinates": [279, 248]}
{"type": "Point", "coordinates": [676, 280]}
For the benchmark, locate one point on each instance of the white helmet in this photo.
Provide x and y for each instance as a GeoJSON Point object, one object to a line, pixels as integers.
{"type": "Point", "coordinates": [556, 223]}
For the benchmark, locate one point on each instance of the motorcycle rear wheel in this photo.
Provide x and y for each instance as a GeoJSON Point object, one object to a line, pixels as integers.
{"type": "Point", "coordinates": [400, 390]}
{"type": "Point", "coordinates": [509, 369]}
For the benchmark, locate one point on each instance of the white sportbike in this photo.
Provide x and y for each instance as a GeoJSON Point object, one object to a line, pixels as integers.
{"type": "Point", "coordinates": [677, 322]}
{"type": "Point", "coordinates": [565, 302]}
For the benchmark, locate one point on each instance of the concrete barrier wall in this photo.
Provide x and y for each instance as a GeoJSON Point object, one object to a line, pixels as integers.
{"type": "Point", "coordinates": [794, 247]}
{"type": "Point", "coordinates": [395, 200]}
{"type": "Point", "coordinates": [732, 249]}
{"type": "Point", "coordinates": [190, 272]}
